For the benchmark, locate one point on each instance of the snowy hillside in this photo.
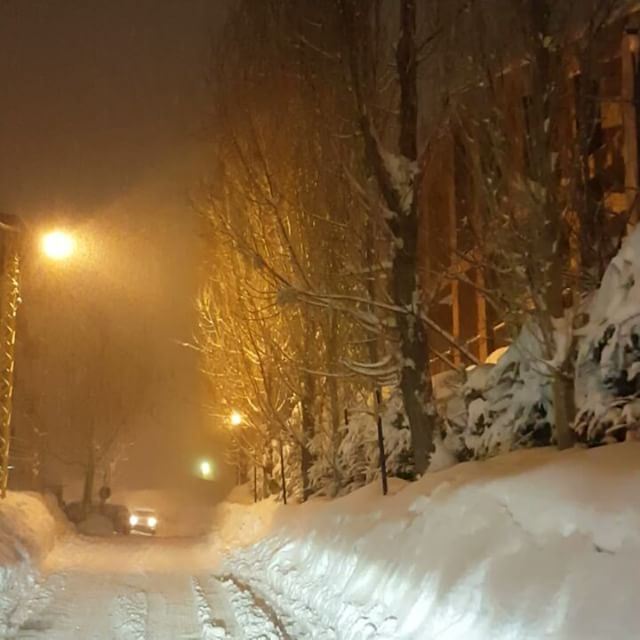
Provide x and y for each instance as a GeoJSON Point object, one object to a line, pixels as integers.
{"type": "Point", "coordinates": [533, 544]}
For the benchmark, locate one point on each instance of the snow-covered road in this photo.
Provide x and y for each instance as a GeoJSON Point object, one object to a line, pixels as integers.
{"type": "Point", "coordinates": [139, 588]}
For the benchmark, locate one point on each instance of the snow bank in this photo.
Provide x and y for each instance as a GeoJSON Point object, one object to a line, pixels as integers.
{"type": "Point", "coordinates": [238, 522]}
{"type": "Point", "coordinates": [533, 544]}
{"type": "Point", "coordinates": [29, 525]}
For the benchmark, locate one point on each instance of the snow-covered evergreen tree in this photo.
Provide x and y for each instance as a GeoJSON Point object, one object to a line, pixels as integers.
{"type": "Point", "coordinates": [608, 364]}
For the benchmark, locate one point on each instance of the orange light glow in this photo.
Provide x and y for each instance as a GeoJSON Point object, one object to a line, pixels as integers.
{"type": "Point", "coordinates": [58, 245]}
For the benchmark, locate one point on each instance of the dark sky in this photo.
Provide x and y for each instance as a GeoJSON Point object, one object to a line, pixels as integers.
{"type": "Point", "coordinates": [96, 94]}
{"type": "Point", "coordinates": [101, 103]}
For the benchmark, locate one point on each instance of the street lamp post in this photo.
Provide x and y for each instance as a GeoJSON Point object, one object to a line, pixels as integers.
{"type": "Point", "coordinates": [9, 301]}
{"type": "Point", "coordinates": [57, 245]}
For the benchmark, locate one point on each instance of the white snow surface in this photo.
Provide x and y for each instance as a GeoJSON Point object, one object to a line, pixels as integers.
{"type": "Point", "coordinates": [29, 525]}
{"type": "Point", "coordinates": [530, 545]}
{"type": "Point", "coordinates": [139, 588]}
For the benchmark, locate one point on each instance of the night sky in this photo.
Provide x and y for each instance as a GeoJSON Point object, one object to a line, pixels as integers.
{"type": "Point", "coordinates": [101, 108]}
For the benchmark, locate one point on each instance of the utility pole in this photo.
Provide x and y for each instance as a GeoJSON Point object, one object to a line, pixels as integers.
{"type": "Point", "coordinates": [9, 301]}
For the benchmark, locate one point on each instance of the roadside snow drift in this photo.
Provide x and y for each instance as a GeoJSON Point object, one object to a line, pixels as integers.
{"type": "Point", "coordinates": [530, 545]}
{"type": "Point", "coordinates": [28, 529]}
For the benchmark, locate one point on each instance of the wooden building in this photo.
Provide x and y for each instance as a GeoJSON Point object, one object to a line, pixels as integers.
{"type": "Point", "coordinates": [449, 198]}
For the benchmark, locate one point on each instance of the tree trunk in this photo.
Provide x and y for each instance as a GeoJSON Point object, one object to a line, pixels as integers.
{"type": "Point", "coordinates": [415, 375]}
{"type": "Point", "coordinates": [332, 383]}
{"type": "Point", "coordinates": [402, 202]}
{"type": "Point", "coordinates": [89, 479]}
{"type": "Point", "coordinates": [308, 431]}
{"type": "Point", "coordinates": [543, 140]}
{"type": "Point", "coordinates": [266, 471]}
{"type": "Point", "coordinates": [562, 374]}
{"type": "Point", "coordinates": [563, 409]}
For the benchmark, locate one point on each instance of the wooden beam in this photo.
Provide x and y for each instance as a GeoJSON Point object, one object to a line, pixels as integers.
{"type": "Point", "coordinates": [483, 323]}
{"type": "Point", "coordinates": [450, 186]}
{"type": "Point", "coordinates": [630, 90]}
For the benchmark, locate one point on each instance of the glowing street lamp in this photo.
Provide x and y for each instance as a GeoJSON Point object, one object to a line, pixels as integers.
{"type": "Point", "coordinates": [236, 419]}
{"type": "Point", "coordinates": [58, 245]}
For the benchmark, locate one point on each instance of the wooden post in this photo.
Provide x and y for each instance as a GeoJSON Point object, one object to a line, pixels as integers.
{"type": "Point", "coordinates": [630, 90]}
{"type": "Point", "coordinates": [284, 479]}
{"type": "Point", "coordinates": [255, 482]}
{"type": "Point", "coordinates": [383, 455]}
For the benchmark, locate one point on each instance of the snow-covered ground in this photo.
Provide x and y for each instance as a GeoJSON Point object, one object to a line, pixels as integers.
{"type": "Point", "coordinates": [29, 526]}
{"type": "Point", "coordinates": [141, 588]}
{"type": "Point", "coordinates": [535, 544]}
{"type": "Point", "coordinates": [531, 545]}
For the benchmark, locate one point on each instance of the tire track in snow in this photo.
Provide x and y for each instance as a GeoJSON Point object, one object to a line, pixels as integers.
{"type": "Point", "coordinates": [73, 607]}
{"type": "Point", "coordinates": [254, 615]}
{"type": "Point", "coordinates": [172, 608]}
{"type": "Point", "coordinates": [128, 613]}
{"type": "Point", "coordinates": [212, 628]}
{"type": "Point", "coordinates": [34, 613]}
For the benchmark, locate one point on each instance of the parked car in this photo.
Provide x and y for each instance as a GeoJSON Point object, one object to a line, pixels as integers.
{"type": "Point", "coordinates": [74, 511]}
{"type": "Point", "coordinates": [120, 515]}
{"type": "Point", "coordinates": [144, 521]}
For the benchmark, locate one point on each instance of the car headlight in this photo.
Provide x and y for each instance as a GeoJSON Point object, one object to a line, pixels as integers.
{"type": "Point", "coordinates": [152, 522]}
{"type": "Point", "coordinates": [133, 520]}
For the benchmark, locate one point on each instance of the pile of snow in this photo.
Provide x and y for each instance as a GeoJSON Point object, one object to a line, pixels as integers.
{"type": "Point", "coordinates": [533, 544]}
{"type": "Point", "coordinates": [239, 522]}
{"type": "Point", "coordinates": [29, 526]}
